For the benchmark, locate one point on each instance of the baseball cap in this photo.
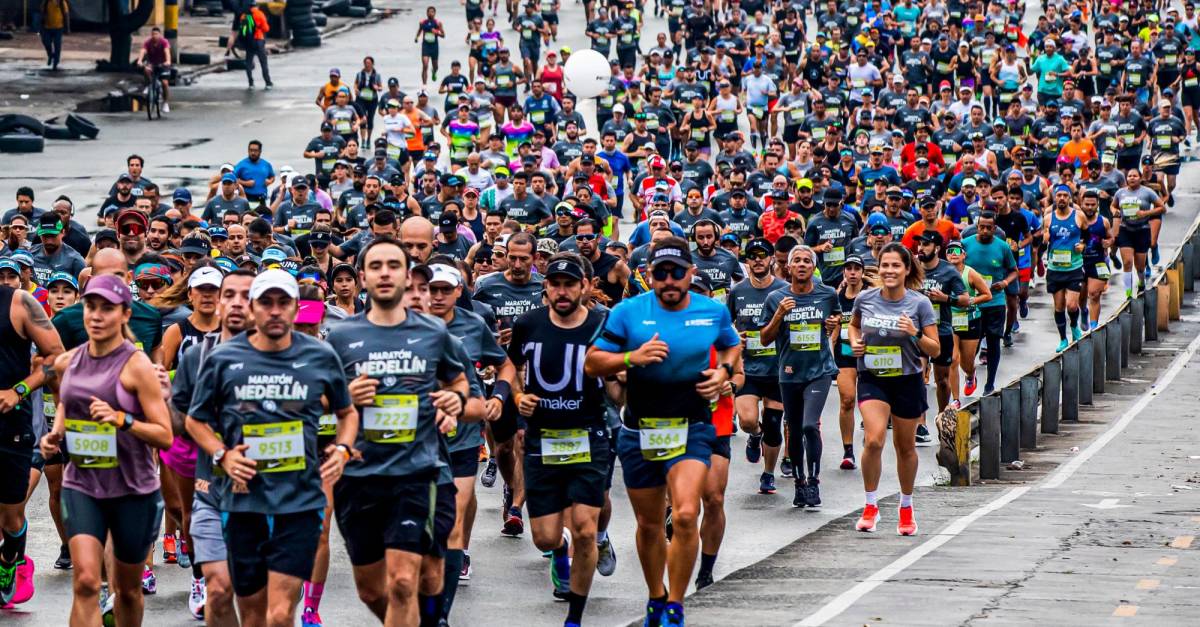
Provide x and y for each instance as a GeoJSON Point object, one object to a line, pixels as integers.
{"type": "Point", "coordinates": [701, 281]}
{"type": "Point", "coordinates": [448, 222]}
{"type": "Point", "coordinates": [195, 246]}
{"type": "Point", "coordinates": [109, 287]}
{"type": "Point", "coordinates": [22, 257]}
{"type": "Point", "coordinates": [442, 273]}
{"type": "Point", "coordinates": [107, 234]}
{"type": "Point", "coordinates": [124, 176]}
{"type": "Point", "coordinates": [49, 224]}
{"type": "Point", "coordinates": [217, 232]}
{"type": "Point", "coordinates": [274, 279]}
{"type": "Point", "coordinates": [181, 194]}
{"type": "Point", "coordinates": [332, 72]}
{"type": "Point", "coordinates": [299, 181]}
{"type": "Point", "coordinates": [932, 237]}
{"type": "Point", "coordinates": [205, 276]}
{"type": "Point", "coordinates": [760, 243]}
{"type": "Point", "coordinates": [618, 108]}
{"type": "Point", "coordinates": [854, 260]}
{"type": "Point", "coordinates": [7, 263]}
{"type": "Point", "coordinates": [547, 246]}
{"type": "Point", "coordinates": [127, 215]}
{"type": "Point", "coordinates": [565, 267]}
{"type": "Point", "coordinates": [273, 254]}
{"type": "Point", "coordinates": [671, 254]}
{"type": "Point", "coordinates": [877, 219]}
{"type": "Point", "coordinates": [228, 177]}
{"type": "Point", "coordinates": [63, 277]}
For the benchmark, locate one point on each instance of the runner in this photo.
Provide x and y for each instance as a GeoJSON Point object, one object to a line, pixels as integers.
{"type": "Point", "coordinates": [396, 507]}
{"type": "Point", "coordinates": [761, 380]}
{"type": "Point", "coordinates": [967, 322]}
{"type": "Point", "coordinates": [1137, 204]}
{"type": "Point", "coordinates": [1098, 237]}
{"type": "Point", "coordinates": [23, 326]}
{"type": "Point", "coordinates": [994, 261]}
{"type": "Point", "coordinates": [666, 367]}
{"type": "Point", "coordinates": [944, 288]}
{"type": "Point", "coordinates": [799, 322]}
{"type": "Point", "coordinates": [429, 31]}
{"type": "Point", "coordinates": [1065, 275]}
{"type": "Point", "coordinates": [854, 281]}
{"type": "Point", "coordinates": [111, 415]}
{"type": "Point", "coordinates": [892, 329]}
{"type": "Point", "coordinates": [567, 447]}
{"type": "Point", "coordinates": [212, 592]}
{"type": "Point", "coordinates": [262, 394]}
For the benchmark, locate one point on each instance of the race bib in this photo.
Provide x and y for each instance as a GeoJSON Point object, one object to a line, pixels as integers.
{"type": "Point", "coordinates": [719, 295]}
{"type": "Point", "coordinates": [836, 256]}
{"type": "Point", "coordinates": [1191, 82]}
{"type": "Point", "coordinates": [698, 134]}
{"type": "Point", "coordinates": [343, 126]}
{"type": "Point", "coordinates": [366, 93]}
{"type": "Point", "coordinates": [884, 361]}
{"type": "Point", "coordinates": [1130, 208]}
{"type": "Point", "coordinates": [327, 425]}
{"type": "Point", "coordinates": [1135, 79]}
{"type": "Point", "coordinates": [527, 33]}
{"type": "Point", "coordinates": [393, 151]}
{"type": "Point", "coordinates": [1051, 77]}
{"type": "Point", "coordinates": [804, 336]}
{"type": "Point", "coordinates": [796, 115]}
{"type": "Point", "coordinates": [606, 101]}
{"type": "Point", "coordinates": [503, 80]}
{"type": "Point", "coordinates": [627, 38]}
{"type": "Point", "coordinates": [430, 38]}
{"type": "Point", "coordinates": [537, 117]}
{"type": "Point", "coordinates": [49, 406]}
{"type": "Point", "coordinates": [1060, 257]}
{"type": "Point", "coordinates": [1164, 141]}
{"type": "Point", "coordinates": [1170, 59]}
{"type": "Point", "coordinates": [756, 348]}
{"type": "Point", "coordinates": [1106, 68]}
{"type": "Point", "coordinates": [960, 320]}
{"type": "Point", "coordinates": [943, 67]}
{"type": "Point", "coordinates": [276, 446]}
{"type": "Point", "coordinates": [565, 446]}
{"type": "Point", "coordinates": [392, 420]}
{"type": "Point", "coordinates": [1102, 271]}
{"type": "Point", "coordinates": [662, 438]}
{"type": "Point", "coordinates": [727, 116]}
{"type": "Point", "coordinates": [91, 444]}
{"type": "Point", "coordinates": [758, 112]}
{"type": "Point", "coordinates": [459, 153]}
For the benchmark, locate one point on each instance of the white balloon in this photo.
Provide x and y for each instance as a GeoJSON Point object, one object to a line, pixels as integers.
{"type": "Point", "coordinates": [586, 73]}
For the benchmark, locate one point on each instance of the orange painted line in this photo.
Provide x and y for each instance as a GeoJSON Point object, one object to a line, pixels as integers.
{"type": "Point", "coordinates": [1147, 584]}
{"type": "Point", "coordinates": [1125, 610]}
{"type": "Point", "coordinates": [1167, 561]}
{"type": "Point", "coordinates": [1182, 542]}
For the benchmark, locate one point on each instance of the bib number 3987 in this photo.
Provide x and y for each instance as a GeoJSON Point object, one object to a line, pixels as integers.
{"type": "Point", "coordinates": [565, 446]}
{"type": "Point", "coordinates": [276, 446]}
{"type": "Point", "coordinates": [662, 438]}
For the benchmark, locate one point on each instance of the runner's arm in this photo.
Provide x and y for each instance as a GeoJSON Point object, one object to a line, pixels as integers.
{"type": "Point", "coordinates": [139, 374]}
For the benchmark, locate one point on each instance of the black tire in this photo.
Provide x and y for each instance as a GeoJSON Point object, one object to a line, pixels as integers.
{"type": "Point", "coordinates": [305, 33]}
{"type": "Point", "coordinates": [56, 131]}
{"type": "Point", "coordinates": [83, 126]}
{"type": "Point", "coordinates": [16, 122]}
{"type": "Point", "coordinates": [366, 4]}
{"type": "Point", "coordinates": [195, 58]}
{"type": "Point", "coordinates": [320, 20]}
{"type": "Point", "coordinates": [307, 43]}
{"type": "Point", "coordinates": [335, 7]}
{"type": "Point", "coordinates": [356, 12]}
{"type": "Point", "coordinates": [22, 143]}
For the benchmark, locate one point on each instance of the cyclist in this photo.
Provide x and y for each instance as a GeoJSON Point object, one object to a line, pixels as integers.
{"type": "Point", "coordinates": [155, 57]}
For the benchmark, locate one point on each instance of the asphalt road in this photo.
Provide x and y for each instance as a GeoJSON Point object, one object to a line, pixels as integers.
{"type": "Point", "coordinates": [210, 123]}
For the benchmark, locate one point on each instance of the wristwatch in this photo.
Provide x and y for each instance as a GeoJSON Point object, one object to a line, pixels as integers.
{"type": "Point", "coordinates": [344, 449]}
{"type": "Point", "coordinates": [127, 422]}
{"type": "Point", "coordinates": [218, 456]}
{"type": "Point", "coordinates": [22, 389]}
{"type": "Point", "coordinates": [728, 369]}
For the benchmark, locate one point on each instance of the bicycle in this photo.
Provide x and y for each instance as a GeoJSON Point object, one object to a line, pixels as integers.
{"type": "Point", "coordinates": [154, 92]}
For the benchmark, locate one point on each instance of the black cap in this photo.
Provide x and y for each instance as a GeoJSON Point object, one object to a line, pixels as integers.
{"type": "Point", "coordinates": [928, 201]}
{"type": "Point", "coordinates": [320, 237]}
{"type": "Point", "coordinates": [833, 195]}
{"type": "Point", "coordinates": [448, 222]}
{"type": "Point", "coordinates": [340, 268]}
{"type": "Point", "coordinates": [326, 127]}
{"type": "Point", "coordinates": [587, 160]}
{"type": "Point", "coordinates": [671, 254]}
{"type": "Point", "coordinates": [565, 267]}
{"type": "Point", "coordinates": [107, 234]}
{"type": "Point", "coordinates": [737, 192]}
{"type": "Point", "coordinates": [854, 260]}
{"type": "Point", "coordinates": [195, 246]}
{"type": "Point", "coordinates": [932, 237]}
{"type": "Point", "coordinates": [701, 281]}
{"type": "Point", "coordinates": [760, 243]}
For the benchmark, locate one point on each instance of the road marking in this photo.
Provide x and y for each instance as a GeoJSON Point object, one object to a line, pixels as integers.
{"type": "Point", "coordinates": [1167, 561]}
{"type": "Point", "coordinates": [1182, 542]}
{"type": "Point", "coordinates": [1105, 504]}
{"type": "Point", "coordinates": [1147, 584]}
{"type": "Point", "coordinates": [843, 601]}
{"type": "Point", "coordinates": [1196, 519]}
{"type": "Point", "coordinates": [1125, 610]}
{"type": "Point", "coordinates": [1069, 468]}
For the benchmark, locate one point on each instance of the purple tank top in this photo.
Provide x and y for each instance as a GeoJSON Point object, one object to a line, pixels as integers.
{"type": "Point", "coordinates": [90, 376]}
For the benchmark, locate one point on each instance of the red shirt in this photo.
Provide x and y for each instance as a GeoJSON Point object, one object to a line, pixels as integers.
{"type": "Point", "coordinates": [156, 51]}
{"type": "Point", "coordinates": [773, 226]}
{"type": "Point", "coordinates": [552, 81]}
{"type": "Point", "coordinates": [722, 413]}
{"type": "Point", "coordinates": [908, 154]}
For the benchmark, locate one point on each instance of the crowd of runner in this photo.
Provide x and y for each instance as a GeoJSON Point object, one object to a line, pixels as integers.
{"type": "Point", "coordinates": [477, 282]}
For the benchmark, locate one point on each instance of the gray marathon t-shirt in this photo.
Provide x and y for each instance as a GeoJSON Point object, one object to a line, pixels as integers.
{"type": "Point", "coordinates": [802, 341]}
{"type": "Point", "coordinates": [507, 299]}
{"type": "Point", "coordinates": [946, 279]}
{"type": "Point", "coordinates": [530, 210]}
{"type": "Point", "coordinates": [271, 402]}
{"type": "Point", "coordinates": [722, 270]}
{"type": "Point", "coordinates": [208, 485]}
{"type": "Point", "coordinates": [398, 435]}
{"type": "Point", "coordinates": [1127, 202]}
{"type": "Point", "coordinates": [839, 231]}
{"type": "Point", "coordinates": [745, 304]}
{"type": "Point", "coordinates": [891, 352]}
{"type": "Point", "coordinates": [481, 348]}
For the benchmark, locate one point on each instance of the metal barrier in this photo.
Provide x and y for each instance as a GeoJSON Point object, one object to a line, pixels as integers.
{"type": "Point", "coordinates": [1006, 421]}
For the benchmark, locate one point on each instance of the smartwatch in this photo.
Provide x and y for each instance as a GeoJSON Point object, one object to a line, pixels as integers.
{"type": "Point", "coordinates": [127, 422]}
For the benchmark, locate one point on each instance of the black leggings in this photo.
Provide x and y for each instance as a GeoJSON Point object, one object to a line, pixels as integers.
{"type": "Point", "coordinates": [802, 403]}
{"type": "Point", "coordinates": [132, 520]}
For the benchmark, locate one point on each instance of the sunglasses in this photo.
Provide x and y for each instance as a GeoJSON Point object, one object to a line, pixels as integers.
{"type": "Point", "coordinates": [585, 237]}
{"type": "Point", "coordinates": [675, 272]}
{"type": "Point", "coordinates": [756, 256]}
{"type": "Point", "coordinates": [150, 284]}
{"type": "Point", "coordinates": [131, 228]}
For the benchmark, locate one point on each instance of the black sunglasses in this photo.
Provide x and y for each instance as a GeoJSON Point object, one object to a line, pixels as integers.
{"type": "Point", "coordinates": [585, 237]}
{"type": "Point", "coordinates": [676, 273]}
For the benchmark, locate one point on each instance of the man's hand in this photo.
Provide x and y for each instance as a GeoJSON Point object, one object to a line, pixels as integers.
{"type": "Point", "coordinates": [652, 352]}
{"type": "Point", "coordinates": [492, 409]}
{"type": "Point", "coordinates": [713, 382]}
{"type": "Point", "coordinates": [362, 390]}
{"type": "Point", "coordinates": [528, 404]}
{"type": "Point", "coordinates": [907, 327]}
{"type": "Point", "coordinates": [239, 467]}
{"type": "Point", "coordinates": [449, 402]}
{"type": "Point", "coordinates": [8, 400]}
{"type": "Point", "coordinates": [937, 296]}
{"type": "Point", "coordinates": [832, 322]}
{"type": "Point", "coordinates": [51, 444]}
{"type": "Point", "coordinates": [335, 463]}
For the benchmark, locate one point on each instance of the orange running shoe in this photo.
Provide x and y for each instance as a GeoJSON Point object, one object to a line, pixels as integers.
{"type": "Point", "coordinates": [483, 454]}
{"type": "Point", "coordinates": [870, 517]}
{"type": "Point", "coordinates": [908, 524]}
{"type": "Point", "coordinates": [168, 549]}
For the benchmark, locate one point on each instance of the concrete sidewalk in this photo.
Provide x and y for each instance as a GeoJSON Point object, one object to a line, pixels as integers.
{"type": "Point", "coordinates": [1112, 540]}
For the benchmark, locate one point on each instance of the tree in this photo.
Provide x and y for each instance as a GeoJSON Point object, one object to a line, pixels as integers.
{"type": "Point", "coordinates": [120, 30]}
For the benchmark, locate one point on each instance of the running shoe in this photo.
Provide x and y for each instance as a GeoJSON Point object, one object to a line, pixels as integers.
{"type": "Point", "coordinates": [1008, 341]}
{"type": "Point", "coordinates": [64, 559]}
{"type": "Point", "coordinates": [988, 390]}
{"type": "Point", "coordinates": [168, 549]}
{"type": "Point", "coordinates": [1024, 309]}
{"type": "Point", "coordinates": [848, 462]}
{"type": "Point", "coordinates": [8, 583]}
{"type": "Point", "coordinates": [923, 437]}
{"type": "Point", "coordinates": [606, 558]}
{"type": "Point", "coordinates": [673, 616]}
{"type": "Point", "coordinates": [514, 526]}
{"type": "Point", "coordinates": [654, 613]}
{"type": "Point", "coordinates": [24, 587]}
{"type": "Point", "coordinates": [1062, 346]}
{"type": "Point", "coordinates": [197, 598]}
{"type": "Point", "coordinates": [908, 524]}
{"type": "Point", "coordinates": [812, 493]}
{"type": "Point", "coordinates": [801, 497]}
{"type": "Point", "coordinates": [107, 603]}
{"type": "Point", "coordinates": [489, 473]}
{"type": "Point", "coordinates": [869, 518]}
{"type": "Point", "coordinates": [1076, 334]}
{"type": "Point", "coordinates": [1016, 327]}
{"type": "Point", "coordinates": [969, 388]}
{"type": "Point", "coordinates": [560, 575]}
{"type": "Point", "coordinates": [184, 559]}
{"type": "Point", "coordinates": [766, 483]}
{"type": "Point", "coordinates": [310, 618]}
{"type": "Point", "coordinates": [754, 448]}
{"type": "Point", "coordinates": [149, 581]}
{"type": "Point", "coordinates": [507, 502]}
{"type": "Point", "coordinates": [785, 468]}
{"type": "Point", "coordinates": [703, 580]}
{"type": "Point", "coordinates": [166, 108]}
{"type": "Point", "coordinates": [464, 574]}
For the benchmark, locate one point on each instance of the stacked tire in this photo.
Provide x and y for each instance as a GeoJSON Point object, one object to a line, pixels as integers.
{"type": "Point", "coordinates": [26, 134]}
{"type": "Point", "coordinates": [299, 17]}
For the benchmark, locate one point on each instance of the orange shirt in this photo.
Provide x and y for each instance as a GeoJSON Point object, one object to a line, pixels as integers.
{"type": "Point", "coordinates": [772, 225]}
{"type": "Point", "coordinates": [417, 141]}
{"type": "Point", "coordinates": [1078, 153]}
{"type": "Point", "coordinates": [329, 92]}
{"type": "Point", "coordinates": [916, 229]}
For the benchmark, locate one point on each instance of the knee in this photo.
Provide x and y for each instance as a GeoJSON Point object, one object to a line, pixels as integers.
{"type": "Point", "coordinates": [86, 583]}
{"type": "Point", "coordinates": [685, 517]}
{"type": "Point", "coordinates": [219, 591]}
{"type": "Point", "coordinates": [371, 594]}
{"type": "Point", "coordinates": [281, 614]}
{"type": "Point", "coordinates": [402, 586]}
{"type": "Point", "coordinates": [811, 430]}
{"type": "Point", "coordinates": [584, 537]}
{"type": "Point", "coordinates": [873, 444]}
{"type": "Point", "coordinates": [547, 540]}
{"type": "Point", "coordinates": [714, 501]}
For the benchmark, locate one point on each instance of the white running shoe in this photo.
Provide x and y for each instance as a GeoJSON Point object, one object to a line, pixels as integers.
{"type": "Point", "coordinates": [197, 598]}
